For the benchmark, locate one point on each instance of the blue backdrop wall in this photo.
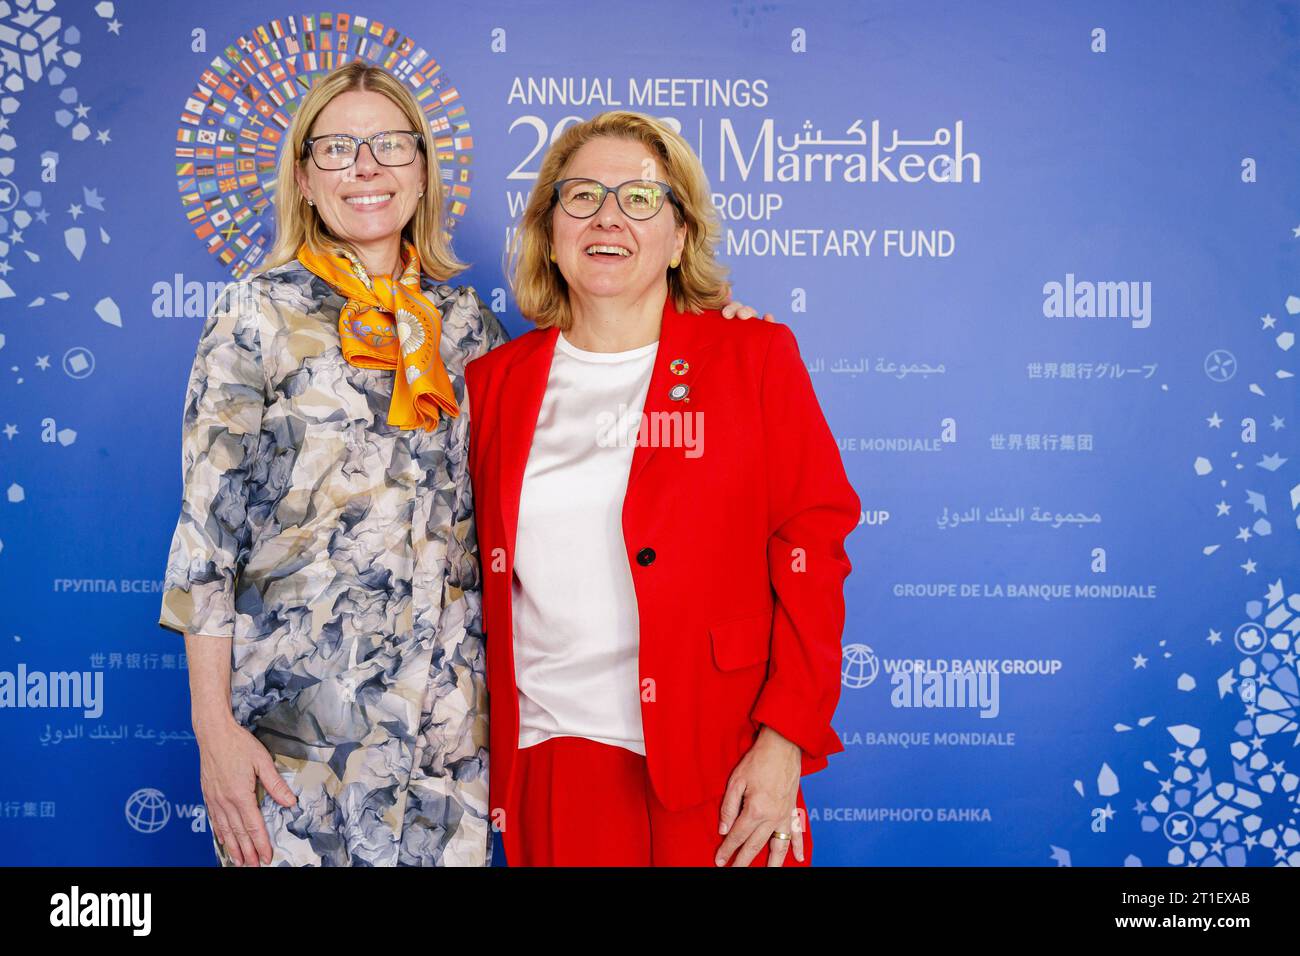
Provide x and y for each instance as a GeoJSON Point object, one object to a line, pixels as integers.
{"type": "Point", "coordinates": [1041, 260]}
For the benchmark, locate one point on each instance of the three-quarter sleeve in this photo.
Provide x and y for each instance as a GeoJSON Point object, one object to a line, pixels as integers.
{"type": "Point", "coordinates": [462, 553]}
{"type": "Point", "coordinates": [494, 334]}
{"type": "Point", "coordinates": [221, 426]}
{"type": "Point", "coordinates": [464, 548]}
{"type": "Point", "coordinates": [813, 508]}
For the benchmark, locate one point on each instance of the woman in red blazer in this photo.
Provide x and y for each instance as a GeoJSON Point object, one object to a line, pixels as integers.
{"type": "Point", "coordinates": [661, 512]}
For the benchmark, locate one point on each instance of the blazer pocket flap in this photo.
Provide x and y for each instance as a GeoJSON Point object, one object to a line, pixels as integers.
{"type": "Point", "coordinates": [742, 641]}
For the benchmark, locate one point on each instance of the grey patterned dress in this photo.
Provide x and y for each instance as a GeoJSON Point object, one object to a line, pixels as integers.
{"type": "Point", "coordinates": [339, 554]}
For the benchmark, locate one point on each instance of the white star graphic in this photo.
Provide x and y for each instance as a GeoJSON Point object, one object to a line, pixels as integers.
{"type": "Point", "coordinates": [10, 431]}
{"type": "Point", "coordinates": [1214, 420]}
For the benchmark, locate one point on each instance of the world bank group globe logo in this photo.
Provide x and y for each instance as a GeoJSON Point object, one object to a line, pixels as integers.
{"type": "Point", "coordinates": [147, 810]}
{"type": "Point", "coordinates": [859, 666]}
{"type": "Point", "coordinates": [242, 105]}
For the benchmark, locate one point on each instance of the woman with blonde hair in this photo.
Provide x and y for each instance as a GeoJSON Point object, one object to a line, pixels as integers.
{"type": "Point", "coordinates": [324, 567]}
{"type": "Point", "coordinates": [663, 601]}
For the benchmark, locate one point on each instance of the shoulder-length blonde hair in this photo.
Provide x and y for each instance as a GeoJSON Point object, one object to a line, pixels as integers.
{"type": "Point", "coordinates": [700, 280]}
{"type": "Point", "coordinates": [296, 222]}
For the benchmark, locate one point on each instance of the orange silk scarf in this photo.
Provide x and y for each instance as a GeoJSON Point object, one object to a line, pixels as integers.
{"type": "Point", "coordinates": [387, 324]}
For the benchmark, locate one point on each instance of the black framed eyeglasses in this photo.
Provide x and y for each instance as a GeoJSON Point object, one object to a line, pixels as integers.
{"type": "Point", "coordinates": [638, 198]}
{"type": "Point", "coordinates": [392, 147]}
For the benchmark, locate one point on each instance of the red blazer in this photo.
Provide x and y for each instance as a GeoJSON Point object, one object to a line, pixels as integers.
{"type": "Point", "coordinates": [736, 553]}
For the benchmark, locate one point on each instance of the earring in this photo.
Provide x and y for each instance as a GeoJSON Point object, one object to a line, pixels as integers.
{"type": "Point", "coordinates": [421, 196]}
{"type": "Point", "coordinates": [674, 264]}
{"type": "Point", "coordinates": [310, 203]}
{"type": "Point", "coordinates": [553, 259]}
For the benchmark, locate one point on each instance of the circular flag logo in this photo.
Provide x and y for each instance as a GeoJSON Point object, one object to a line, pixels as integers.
{"type": "Point", "coordinates": [234, 121]}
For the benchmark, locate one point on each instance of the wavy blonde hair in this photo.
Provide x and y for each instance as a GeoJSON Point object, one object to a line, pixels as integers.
{"type": "Point", "coordinates": [296, 222]}
{"type": "Point", "coordinates": [700, 280]}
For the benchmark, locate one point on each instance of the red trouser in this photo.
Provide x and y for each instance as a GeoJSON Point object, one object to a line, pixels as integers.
{"type": "Point", "coordinates": [579, 802]}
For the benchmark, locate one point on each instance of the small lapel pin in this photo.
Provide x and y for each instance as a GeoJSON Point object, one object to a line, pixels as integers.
{"type": "Point", "coordinates": [679, 367]}
{"type": "Point", "coordinates": [679, 392]}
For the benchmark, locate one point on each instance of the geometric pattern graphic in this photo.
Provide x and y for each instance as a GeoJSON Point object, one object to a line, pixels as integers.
{"type": "Point", "coordinates": [1250, 814]}
{"type": "Point", "coordinates": [235, 119]}
{"type": "Point", "coordinates": [1245, 815]}
{"type": "Point", "coordinates": [36, 49]}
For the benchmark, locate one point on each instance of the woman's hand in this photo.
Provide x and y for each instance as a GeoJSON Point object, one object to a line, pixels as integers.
{"type": "Point", "coordinates": [737, 310]}
{"type": "Point", "coordinates": [231, 762]}
{"type": "Point", "coordinates": [767, 781]}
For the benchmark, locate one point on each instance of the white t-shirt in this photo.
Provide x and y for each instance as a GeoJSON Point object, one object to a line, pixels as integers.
{"type": "Point", "coordinates": [576, 630]}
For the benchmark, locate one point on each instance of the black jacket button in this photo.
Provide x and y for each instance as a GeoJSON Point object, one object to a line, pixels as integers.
{"type": "Point", "coordinates": [646, 556]}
